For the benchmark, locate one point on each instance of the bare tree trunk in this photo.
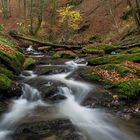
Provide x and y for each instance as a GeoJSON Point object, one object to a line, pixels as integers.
{"type": "Point", "coordinates": [34, 27]}
{"type": "Point", "coordinates": [6, 8]}
{"type": "Point", "coordinates": [25, 11]}
{"type": "Point", "coordinates": [134, 13]}
{"type": "Point", "coordinates": [52, 20]}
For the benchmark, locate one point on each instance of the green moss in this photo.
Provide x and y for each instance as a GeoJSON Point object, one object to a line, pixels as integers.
{"type": "Point", "coordinates": [114, 59]}
{"type": "Point", "coordinates": [87, 74]}
{"type": "Point", "coordinates": [93, 51]}
{"type": "Point", "coordinates": [6, 40]}
{"type": "Point", "coordinates": [109, 48]}
{"type": "Point", "coordinates": [128, 89]}
{"type": "Point", "coordinates": [13, 61]}
{"type": "Point", "coordinates": [9, 54]}
{"type": "Point", "coordinates": [6, 72]}
{"type": "Point", "coordinates": [132, 50]}
{"type": "Point", "coordinates": [5, 82]}
{"type": "Point", "coordinates": [64, 54]}
{"type": "Point", "coordinates": [100, 49]}
{"type": "Point", "coordinates": [28, 63]}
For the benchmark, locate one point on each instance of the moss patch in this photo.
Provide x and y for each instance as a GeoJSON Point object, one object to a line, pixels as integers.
{"type": "Point", "coordinates": [28, 63]}
{"type": "Point", "coordinates": [10, 56]}
{"type": "Point", "coordinates": [11, 60]}
{"type": "Point", "coordinates": [114, 59]}
{"type": "Point", "coordinates": [128, 89]}
{"type": "Point", "coordinates": [99, 49]}
{"type": "Point", "coordinates": [5, 82]}
{"type": "Point", "coordinates": [132, 51]}
{"type": "Point", "coordinates": [6, 72]}
{"type": "Point", "coordinates": [64, 54]}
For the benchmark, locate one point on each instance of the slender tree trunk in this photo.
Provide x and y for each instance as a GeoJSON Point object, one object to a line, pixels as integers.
{"type": "Point", "coordinates": [134, 13]}
{"type": "Point", "coordinates": [34, 27]}
{"type": "Point", "coordinates": [6, 8]}
{"type": "Point", "coordinates": [25, 11]}
{"type": "Point", "coordinates": [52, 20]}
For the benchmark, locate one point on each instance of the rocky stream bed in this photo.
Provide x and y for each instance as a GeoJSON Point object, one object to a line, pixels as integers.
{"type": "Point", "coordinates": [57, 104]}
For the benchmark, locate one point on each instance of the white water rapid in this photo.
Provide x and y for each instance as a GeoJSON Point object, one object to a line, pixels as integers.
{"type": "Point", "coordinates": [90, 121]}
{"type": "Point", "coordinates": [94, 124]}
{"type": "Point", "coordinates": [18, 110]}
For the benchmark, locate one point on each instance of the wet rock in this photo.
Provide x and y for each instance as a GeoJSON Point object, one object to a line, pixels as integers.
{"type": "Point", "coordinates": [46, 70]}
{"type": "Point", "coordinates": [29, 63]}
{"type": "Point", "coordinates": [74, 136]}
{"type": "Point", "coordinates": [3, 107]}
{"type": "Point", "coordinates": [98, 98]}
{"type": "Point", "coordinates": [49, 60]}
{"type": "Point", "coordinates": [14, 92]}
{"type": "Point", "coordinates": [44, 128]}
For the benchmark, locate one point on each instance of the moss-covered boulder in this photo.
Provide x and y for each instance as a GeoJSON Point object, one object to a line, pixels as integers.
{"type": "Point", "coordinates": [5, 82]}
{"type": "Point", "coordinates": [114, 59]}
{"type": "Point", "coordinates": [122, 77]}
{"type": "Point", "coordinates": [131, 51]}
{"type": "Point", "coordinates": [29, 62]}
{"type": "Point", "coordinates": [10, 54]}
{"type": "Point", "coordinates": [64, 54]}
{"type": "Point", "coordinates": [6, 72]}
{"type": "Point", "coordinates": [99, 49]}
{"type": "Point", "coordinates": [11, 61]}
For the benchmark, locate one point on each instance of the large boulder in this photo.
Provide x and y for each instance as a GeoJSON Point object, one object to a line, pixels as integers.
{"type": "Point", "coordinates": [11, 62]}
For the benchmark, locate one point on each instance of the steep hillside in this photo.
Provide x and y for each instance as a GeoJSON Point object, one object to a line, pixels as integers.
{"type": "Point", "coordinates": [99, 16]}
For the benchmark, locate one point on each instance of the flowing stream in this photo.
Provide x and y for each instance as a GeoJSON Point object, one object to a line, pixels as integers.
{"type": "Point", "coordinates": [94, 124]}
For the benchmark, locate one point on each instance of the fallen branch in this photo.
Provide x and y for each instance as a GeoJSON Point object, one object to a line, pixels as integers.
{"type": "Point", "coordinates": [69, 47]}
{"type": "Point", "coordinates": [131, 46]}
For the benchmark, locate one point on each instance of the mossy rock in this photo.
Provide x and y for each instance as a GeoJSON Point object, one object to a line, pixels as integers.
{"type": "Point", "coordinates": [94, 51]}
{"type": "Point", "coordinates": [93, 77]}
{"type": "Point", "coordinates": [6, 72]}
{"type": "Point", "coordinates": [128, 89]}
{"type": "Point", "coordinates": [5, 82]}
{"type": "Point", "coordinates": [29, 62]}
{"type": "Point", "coordinates": [13, 61]}
{"type": "Point", "coordinates": [64, 54]}
{"type": "Point", "coordinates": [114, 59]}
{"type": "Point", "coordinates": [131, 51]}
{"type": "Point", "coordinates": [87, 74]}
{"type": "Point", "coordinates": [99, 49]}
{"type": "Point", "coordinates": [10, 56]}
{"type": "Point", "coordinates": [7, 40]}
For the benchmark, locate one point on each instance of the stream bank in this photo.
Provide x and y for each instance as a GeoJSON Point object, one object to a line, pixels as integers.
{"type": "Point", "coordinates": [56, 113]}
{"type": "Point", "coordinates": [42, 126]}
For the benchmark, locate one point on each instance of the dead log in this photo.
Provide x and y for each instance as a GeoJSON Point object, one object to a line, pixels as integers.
{"type": "Point", "coordinates": [53, 45]}
{"type": "Point", "coordinates": [131, 46]}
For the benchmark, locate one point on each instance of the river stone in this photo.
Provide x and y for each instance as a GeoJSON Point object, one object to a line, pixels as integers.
{"type": "Point", "coordinates": [74, 136]}
{"type": "Point", "coordinates": [46, 70]}
{"type": "Point", "coordinates": [44, 127]}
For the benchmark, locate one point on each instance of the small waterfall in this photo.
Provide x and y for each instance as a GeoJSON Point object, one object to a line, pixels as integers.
{"type": "Point", "coordinates": [93, 123]}
{"type": "Point", "coordinates": [19, 109]}
{"type": "Point", "coordinates": [30, 48]}
{"type": "Point", "coordinates": [79, 89]}
{"type": "Point", "coordinates": [90, 121]}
